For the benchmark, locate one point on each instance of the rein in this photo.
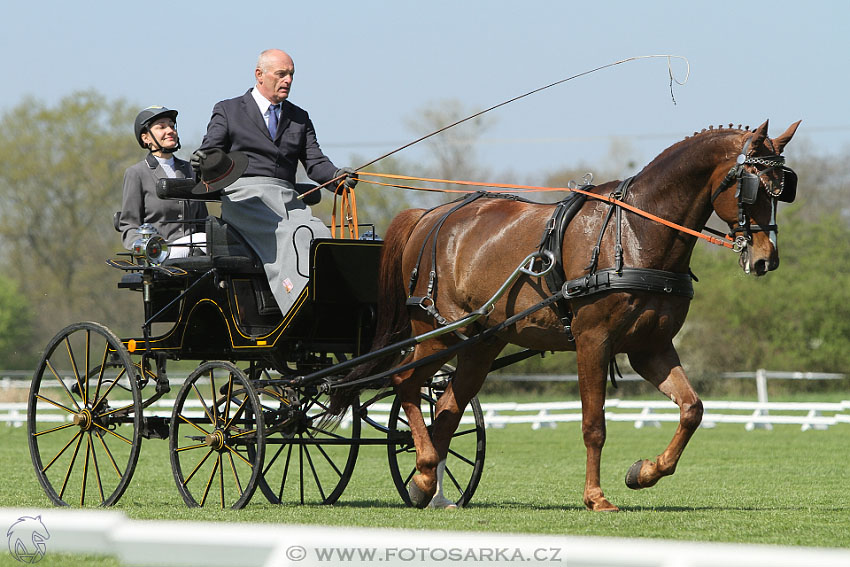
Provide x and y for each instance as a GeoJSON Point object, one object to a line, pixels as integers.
{"type": "Point", "coordinates": [611, 199]}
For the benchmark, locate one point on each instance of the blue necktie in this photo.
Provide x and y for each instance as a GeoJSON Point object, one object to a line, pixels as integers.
{"type": "Point", "coordinates": [273, 120]}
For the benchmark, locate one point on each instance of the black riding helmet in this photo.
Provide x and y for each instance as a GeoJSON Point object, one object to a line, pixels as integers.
{"type": "Point", "coordinates": [150, 115]}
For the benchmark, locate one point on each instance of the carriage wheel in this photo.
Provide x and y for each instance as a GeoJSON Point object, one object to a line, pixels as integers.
{"type": "Point", "coordinates": [216, 437]}
{"type": "Point", "coordinates": [308, 461]}
{"type": "Point", "coordinates": [465, 461]}
{"type": "Point", "coordinates": [84, 417]}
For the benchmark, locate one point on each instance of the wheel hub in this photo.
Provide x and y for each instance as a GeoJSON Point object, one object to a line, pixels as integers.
{"type": "Point", "coordinates": [84, 419]}
{"type": "Point", "coordinates": [215, 440]}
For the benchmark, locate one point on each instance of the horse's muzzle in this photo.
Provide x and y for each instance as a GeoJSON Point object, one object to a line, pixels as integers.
{"type": "Point", "coordinates": [758, 264]}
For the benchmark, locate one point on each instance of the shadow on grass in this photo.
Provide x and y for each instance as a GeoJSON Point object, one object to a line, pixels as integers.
{"type": "Point", "coordinates": [529, 506]}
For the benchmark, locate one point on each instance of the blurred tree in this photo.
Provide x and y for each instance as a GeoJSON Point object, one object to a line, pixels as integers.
{"type": "Point", "coordinates": [795, 318]}
{"type": "Point", "coordinates": [453, 150]}
{"type": "Point", "coordinates": [15, 327]}
{"type": "Point", "coordinates": [824, 183]}
{"type": "Point", "coordinates": [61, 171]}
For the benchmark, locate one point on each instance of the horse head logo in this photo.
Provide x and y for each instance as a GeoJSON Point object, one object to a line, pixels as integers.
{"type": "Point", "coordinates": [26, 539]}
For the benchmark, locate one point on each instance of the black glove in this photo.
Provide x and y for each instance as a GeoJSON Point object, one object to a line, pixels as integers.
{"type": "Point", "coordinates": [195, 162]}
{"type": "Point", "coordinates": [349, 180]}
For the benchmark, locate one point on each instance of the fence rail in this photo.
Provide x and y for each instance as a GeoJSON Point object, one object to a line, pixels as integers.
{"type": "Point", "coordinates": [643, 413]}
{"type": "Point", "coordinates": [760, 414]}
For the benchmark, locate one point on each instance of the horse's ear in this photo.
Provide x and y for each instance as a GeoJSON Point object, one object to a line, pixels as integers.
{"type": "Point", "coordinates": [782, 140]}
{"type": "Point", "coordinates": [759, 136]}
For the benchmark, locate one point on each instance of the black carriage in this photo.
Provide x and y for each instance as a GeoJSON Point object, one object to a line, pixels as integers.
{"type": "Point", "coordinates": [249, 415]}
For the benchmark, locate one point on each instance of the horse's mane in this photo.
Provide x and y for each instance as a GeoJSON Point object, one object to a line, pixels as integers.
{"type": "Point", "coordinates": [706, 134]}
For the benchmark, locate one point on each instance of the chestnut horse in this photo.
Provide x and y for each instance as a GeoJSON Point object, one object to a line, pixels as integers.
{"type": "Point", "coordinates": [478, 245]}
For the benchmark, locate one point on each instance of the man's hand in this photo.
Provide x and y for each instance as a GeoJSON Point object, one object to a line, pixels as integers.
{"type": "Point", "coordinates": [195, 162]}
{"type": "Point", "coordinates": [349, 180]}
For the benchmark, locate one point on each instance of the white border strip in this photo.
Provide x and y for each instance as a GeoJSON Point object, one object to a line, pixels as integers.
{"type": "Point", "coordinates": [213, 544]}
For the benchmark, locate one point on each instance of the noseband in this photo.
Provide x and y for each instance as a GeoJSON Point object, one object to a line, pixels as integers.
{"type": "Point", "coordinates": [748, 184]}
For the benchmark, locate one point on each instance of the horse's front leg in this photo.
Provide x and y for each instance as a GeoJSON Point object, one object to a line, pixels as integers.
{"type": "Point", "coordinates": [472, 368]}
{"type": "Point", "coordinates": [408, 385]}
{"type": "Point", "coordinates": [664, 370]}
{"type": "Point", "coordinates": [592, 361]}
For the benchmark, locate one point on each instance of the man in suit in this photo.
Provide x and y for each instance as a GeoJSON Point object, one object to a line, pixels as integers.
{"type": "Point", "coordinates": [156, 131]}
{"type": "Point", "coordinates": [276, 135]}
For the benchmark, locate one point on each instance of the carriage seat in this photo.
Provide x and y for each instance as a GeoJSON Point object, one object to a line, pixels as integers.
{"type": "Point", "coordinates": [226, 250]}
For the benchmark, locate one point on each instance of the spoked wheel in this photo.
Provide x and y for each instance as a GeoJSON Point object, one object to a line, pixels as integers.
{"type": "Point", "coordinates": [465, 461]}
{"type": "Point", "coordinates": [84, 417]}
{"type": "Point", "coordinates": [216, 438]}
{"type": "Point", "coordinates": [307, 460]}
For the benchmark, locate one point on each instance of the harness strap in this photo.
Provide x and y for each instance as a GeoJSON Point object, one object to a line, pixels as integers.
{"type": "Point", "coordinates": [414, 275]}
{"type": "Point", "coordinates": [553, 240]}
{"type": "Point", "coordinates": [618, 195]}
{"type": "Point", "coordinates": [486, 333]}
{"type": "Point", "coordinates": [640, 279]}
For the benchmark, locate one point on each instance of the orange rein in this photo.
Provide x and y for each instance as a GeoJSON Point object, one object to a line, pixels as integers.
{"type": "Point", "coordinates": [530, 188]}
{"type": "Point", "coordinates": [347, 213]}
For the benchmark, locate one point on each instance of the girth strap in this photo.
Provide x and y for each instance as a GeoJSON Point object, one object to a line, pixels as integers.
{"type": "Point", "coordinates": [631, 279]}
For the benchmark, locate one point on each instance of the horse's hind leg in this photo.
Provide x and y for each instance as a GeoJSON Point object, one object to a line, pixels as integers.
{"type": "Point", "coordinates": [665, 372]}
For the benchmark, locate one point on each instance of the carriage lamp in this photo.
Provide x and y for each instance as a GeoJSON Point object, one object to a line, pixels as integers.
{"type": "Point", "coordinates": [150, 246]}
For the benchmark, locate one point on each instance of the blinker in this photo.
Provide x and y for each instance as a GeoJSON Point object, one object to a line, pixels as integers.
{"type": "Point", "coordinates": [789, 189]}
{"type": "Point", "coordinates": [748, 187]}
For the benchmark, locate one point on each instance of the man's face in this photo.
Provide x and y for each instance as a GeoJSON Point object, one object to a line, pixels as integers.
{"type": "Point", "coordinates": [275, 81]}
{"type": "Point", "coordinates": [164, 131]}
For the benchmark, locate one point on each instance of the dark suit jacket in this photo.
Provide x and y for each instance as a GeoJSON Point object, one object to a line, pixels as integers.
{"type": "Point", "coordinates": [238, 125]}
{"type": "Point", "coordinates": [140, 203]}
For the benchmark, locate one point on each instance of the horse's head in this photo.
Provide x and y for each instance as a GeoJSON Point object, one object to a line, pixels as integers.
{"type": "Point", "coordinates": [747, 197]}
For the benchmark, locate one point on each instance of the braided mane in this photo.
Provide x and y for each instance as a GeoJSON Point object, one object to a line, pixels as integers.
{"type": "Point", "coordinates": [688, 140]}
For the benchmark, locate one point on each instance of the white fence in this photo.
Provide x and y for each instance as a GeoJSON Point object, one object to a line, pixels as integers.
{"type": "Point", "coordinates": [643, 413]}
{"type": "Point", "coordinates": [752, 414]}
{"type": "Point", "coordinates": [208, 544]}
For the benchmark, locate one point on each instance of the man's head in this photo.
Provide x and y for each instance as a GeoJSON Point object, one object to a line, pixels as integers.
{"type": "Point", "coordinates": [156, 130]}
{"type": "Point", "coordinates": [274, 73]}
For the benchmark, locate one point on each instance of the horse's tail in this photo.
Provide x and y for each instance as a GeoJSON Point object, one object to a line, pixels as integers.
{"type": "Point", "coordinates": [393, 324]}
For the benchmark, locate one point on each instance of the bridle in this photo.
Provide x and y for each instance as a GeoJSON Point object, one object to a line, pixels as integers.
{"type": "Point", "coordinates": [748, 184]}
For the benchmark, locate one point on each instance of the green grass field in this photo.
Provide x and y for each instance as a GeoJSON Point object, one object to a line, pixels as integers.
{"type": "Point", "coordinates": [772, 487]}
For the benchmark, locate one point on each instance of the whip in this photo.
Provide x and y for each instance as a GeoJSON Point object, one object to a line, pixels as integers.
{"type": "Point", "coordinates": [516, 98]}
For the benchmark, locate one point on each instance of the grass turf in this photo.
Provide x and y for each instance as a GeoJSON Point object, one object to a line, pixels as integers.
{"type": "Point", "coordinates": [772, 487]}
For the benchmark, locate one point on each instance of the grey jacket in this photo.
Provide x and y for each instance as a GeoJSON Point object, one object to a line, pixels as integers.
{"type": "Point", "coordinates": [237, 124]}
{"type": "Point", "coordinates": [140, 203]}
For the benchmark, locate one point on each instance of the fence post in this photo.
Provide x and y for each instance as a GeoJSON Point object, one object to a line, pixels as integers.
{"type": "Point", "coordinates": [761, 391]}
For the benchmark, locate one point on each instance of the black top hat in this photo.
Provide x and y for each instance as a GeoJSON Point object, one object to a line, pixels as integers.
{"type": "Point", "coordinates": [218, 170]}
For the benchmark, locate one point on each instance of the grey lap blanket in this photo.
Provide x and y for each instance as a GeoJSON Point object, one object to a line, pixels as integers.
{"type": "Point", "coordinates": [278, 227]}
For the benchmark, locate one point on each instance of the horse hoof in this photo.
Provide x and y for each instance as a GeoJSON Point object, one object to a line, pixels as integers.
{"type": "Point", "coordinates": [606, 507]}
{"type": "Point", "coordinates": [441, 502]}
{"type": "Point", "coordinates": [633, 474]}
{"type": "Point", "coordinates": [417, 496]}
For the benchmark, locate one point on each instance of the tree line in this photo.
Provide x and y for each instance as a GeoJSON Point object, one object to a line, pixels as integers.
{"type": "Point", "coordinates": [61, 171]}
